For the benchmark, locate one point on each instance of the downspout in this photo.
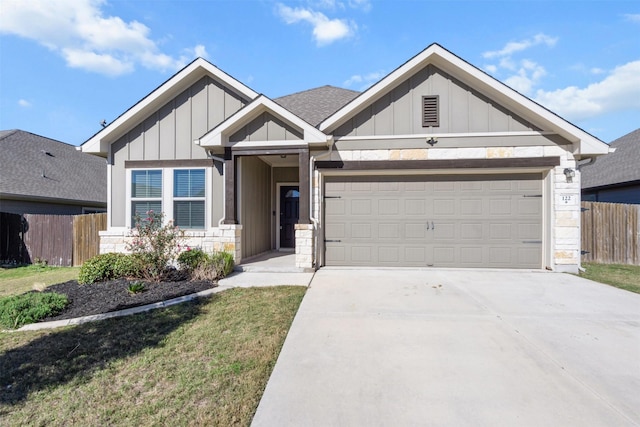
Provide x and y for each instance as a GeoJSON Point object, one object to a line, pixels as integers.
{"type": "Point", "coordinates": [315, 221]}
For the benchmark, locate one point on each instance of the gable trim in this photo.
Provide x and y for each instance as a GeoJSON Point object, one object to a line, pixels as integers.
{"type": "Point", "coordinates": [100, 142]}
{"type": "Point", "coordinates": [585, 144]}
{"type": "Point", "coordinates": [219, 136]}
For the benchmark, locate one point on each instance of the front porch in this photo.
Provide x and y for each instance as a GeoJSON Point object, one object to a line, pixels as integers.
{"type": "Point", "coordinates": [269, 207]}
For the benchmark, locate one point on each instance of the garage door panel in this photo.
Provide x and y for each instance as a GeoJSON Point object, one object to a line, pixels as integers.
{"type": "Point", "coordinates": [415, 207]}
{"type": "Point", "coordinates": [444, 207]}
{"type": "Point", "coordinates": [444, 255]}
{"type": "Point", "coordinates": [388, 207]}
{"type": "Point", "coordinates": [360, 207]}
{"type": "Point", "coordinates": [472, 231]}
{"type": "Point", "coordinates": [472, 255]}
{"type": "Point", "coordinates": [448, 221]}
{"type": "Point", "coordinates": [415, 231]}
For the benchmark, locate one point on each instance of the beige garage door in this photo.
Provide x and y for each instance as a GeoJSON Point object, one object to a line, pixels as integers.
{"type": "Point", "coordinates": [440, 221]}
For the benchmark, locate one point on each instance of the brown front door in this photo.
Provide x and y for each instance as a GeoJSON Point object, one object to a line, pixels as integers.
{"type": "Point", "coordinates": [289, 212]}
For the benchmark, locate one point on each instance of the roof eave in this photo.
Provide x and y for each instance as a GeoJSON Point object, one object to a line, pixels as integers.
{"type": "Point", "coordinates": [218, 136]}
{"type": "Point", "coordinates": [584, 143]}
{"type": "Point", "coordinates": [183, 79]}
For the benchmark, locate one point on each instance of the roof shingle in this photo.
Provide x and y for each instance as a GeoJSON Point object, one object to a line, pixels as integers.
{"type": "Point", "coordinates": [39, 167]}
{"type": "Point", "coordinates": [621, 166]}
{"type": "Point", "coordinates": [315, 105]}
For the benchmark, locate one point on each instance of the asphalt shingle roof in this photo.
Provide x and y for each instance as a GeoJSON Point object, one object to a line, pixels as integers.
{"type": "Point", "coordinates": [34, 166]}
{"type": "Point", "coordinates": [315, 105]}
{"type": "Point", "coordinates": [621, 166]}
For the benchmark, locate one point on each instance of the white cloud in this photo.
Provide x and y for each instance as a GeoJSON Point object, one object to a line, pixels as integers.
{"type": "Point", "coordinates": [618, 91]}
{"type": "Point", "coordinates": [518, 46]}
{"type": "Point", "coordinates": [24, 103]}
{"type": "Point", "coordinates": [79, 32]}
{"type": "Point", "coordinates": [525, 74]}
{"type": "Point", "coordinates": [325, 30]}
{"type": "Point", "coordinates": [633, 17]}
{"type": "Point", "coordinates": [364, 81]}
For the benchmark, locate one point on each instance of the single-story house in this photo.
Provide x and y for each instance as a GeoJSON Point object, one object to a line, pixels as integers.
{"type": "Point", "coordinates": [615, 178]}
{"type": "Point", "coordinates": [40, 175]}
{"type": "Point", "coordinates": [437, 164]}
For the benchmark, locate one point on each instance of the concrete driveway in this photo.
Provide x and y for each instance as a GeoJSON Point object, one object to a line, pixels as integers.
{"type": "Point", "coordinates": [456, 348]}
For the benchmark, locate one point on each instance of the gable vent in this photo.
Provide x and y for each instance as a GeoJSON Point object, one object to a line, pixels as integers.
{"type": "Point", "coordinates": [430, 111]}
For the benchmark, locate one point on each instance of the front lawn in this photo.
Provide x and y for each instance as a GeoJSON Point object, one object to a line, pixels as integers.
{"type": "Point", "coordinates": [18, 280]}
{"type": "Point", "coordinates": [618, 275]}
{"type": "Point", "coordinates": [200, 363]}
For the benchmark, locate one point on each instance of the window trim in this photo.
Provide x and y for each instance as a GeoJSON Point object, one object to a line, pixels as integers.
{"type": "Point", "coordinates": [167, 199]}
{"type": "Point", "coordinates": [175, 198]}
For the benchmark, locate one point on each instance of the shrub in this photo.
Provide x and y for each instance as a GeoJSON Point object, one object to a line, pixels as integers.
{"type": "Point", "coordinates": [213, 267]}
{"type": "Point", "coordinates": [191, 258]}
{"type": "Point", "coordinates": [19, 310]}
{"type": "Point", "coordinates": [99, 268]}
{"type": "Point", "coordinates": [128, 266]}
{"type": "Point", "coordinates": [224, 263]}
{"type": "Point", "coordinates": [156, 244]}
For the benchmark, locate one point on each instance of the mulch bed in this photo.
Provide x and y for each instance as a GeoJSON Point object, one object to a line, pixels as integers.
{"type": "Point", "coordinates": [113, 295]}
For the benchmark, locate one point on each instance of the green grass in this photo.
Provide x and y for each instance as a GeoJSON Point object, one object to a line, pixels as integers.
{"type": "Point", "coordinates": [18, 280]}
{"type": "Point", "coordinates": [200, 363]}
{"type": "Point", "coordinates": [621, 276]}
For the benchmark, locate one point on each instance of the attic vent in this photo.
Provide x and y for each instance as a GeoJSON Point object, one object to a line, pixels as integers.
{"type": "Point", "coordinates": [430, 111]}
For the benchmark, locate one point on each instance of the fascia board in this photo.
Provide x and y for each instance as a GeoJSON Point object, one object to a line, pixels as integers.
{"type": "Point", "coordinates": [479, 80]}
{"type": "Point", "coordinates": [218, 135]}
{"type": "Point", "coordinates": [98, 144]}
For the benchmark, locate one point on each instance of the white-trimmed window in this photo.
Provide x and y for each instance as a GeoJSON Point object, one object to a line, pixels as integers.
{"type": "Point", "coordinates": [189, 198]}
{"type": "Point", "coordinates": [146, 192]}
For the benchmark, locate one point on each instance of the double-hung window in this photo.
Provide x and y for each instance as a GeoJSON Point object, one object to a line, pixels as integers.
{"type": "Point", "coordinates": [189, 198]}
{"type": "Point", "coordinates": [146, 193]}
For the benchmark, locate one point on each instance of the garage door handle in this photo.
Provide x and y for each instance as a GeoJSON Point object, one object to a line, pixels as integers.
{"type": "Point", "coordinates": [433, 226]}
{"type": "Point", "coordinates": [333, 241]}
{"type": "Point", "coordinates": [427, 225]}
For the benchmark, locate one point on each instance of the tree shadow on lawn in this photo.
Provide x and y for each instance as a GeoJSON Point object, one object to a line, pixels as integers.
{"type": "Point", "coordinates": [76, 354]}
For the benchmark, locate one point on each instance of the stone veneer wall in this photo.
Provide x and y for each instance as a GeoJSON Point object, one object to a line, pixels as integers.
{"type": "Point", "coordinates": [565, 220]}
{"type": "Point", "coordinates": [304, 246]}
{"type": "Point", "coordinates": [226, 237]}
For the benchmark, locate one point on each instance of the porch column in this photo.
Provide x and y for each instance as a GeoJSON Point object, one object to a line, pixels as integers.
{"type": "Point", "coordinates": [303, 179]}
{"type": "Point", "coordinates": [229, 187]}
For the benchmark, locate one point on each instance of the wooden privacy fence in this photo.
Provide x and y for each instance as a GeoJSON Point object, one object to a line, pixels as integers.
{"type": "Point", "coordinates": [60, 240]}
{"type": "Point", "coordinates": [610, 233]}
{"type": "Point", "coordinates": [86, 237]}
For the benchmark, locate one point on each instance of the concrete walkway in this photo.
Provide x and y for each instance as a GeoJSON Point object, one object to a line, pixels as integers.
{"type": "Point", "coordinates": [457, 348]}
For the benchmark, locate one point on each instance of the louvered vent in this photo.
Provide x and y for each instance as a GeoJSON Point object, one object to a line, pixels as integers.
{"type": "Point", "coordinates": [430, 111]}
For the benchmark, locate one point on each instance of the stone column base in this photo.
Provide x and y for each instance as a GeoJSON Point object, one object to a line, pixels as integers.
{"type": "Point", "coordinates": [304, 246]}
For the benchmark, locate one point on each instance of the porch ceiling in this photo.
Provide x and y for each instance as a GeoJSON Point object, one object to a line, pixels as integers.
{"type": "Point", "coordinates": [290, 160]}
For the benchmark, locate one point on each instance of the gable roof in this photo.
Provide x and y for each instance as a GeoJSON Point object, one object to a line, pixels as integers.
{"type": "Point", "coordinates": [36, 167]}
{"type": "Point", "coordinates": [315, 105]}
{"type": "Point", "coordinates": [616, 168]}
{"type": "Point", "coordinates": [584, 143]}
{"type": "Point", "coordinates": [99, 143]}
{"type": "Point", "coordinates": [219, 135]}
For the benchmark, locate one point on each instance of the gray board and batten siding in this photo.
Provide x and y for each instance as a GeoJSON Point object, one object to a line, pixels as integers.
{"type": "Point", "coordinates": [168, 134]}
{"type": "Point", "coordinates": [255, 205]}
{"type": "Point", "coordinates": [434, 221]}
{"type": "Point", "coordinates": [267, 127]}
{"type": "Point", "coordinates": [462, 110]}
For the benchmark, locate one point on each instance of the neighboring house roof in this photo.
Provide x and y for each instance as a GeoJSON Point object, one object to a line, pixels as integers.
{"type": "Point", "coordinates": [39, 168]}
{"type": "Point", "coordinates": [99, 143]}
{"type": "Point", "coordinates": [585, 145]}
{"type": "Point", "coordinates": [616, 168]}
{"type": "Point", "coordinates": [315, 105]}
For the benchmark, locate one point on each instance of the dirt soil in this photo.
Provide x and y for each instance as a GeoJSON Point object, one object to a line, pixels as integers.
{"type": "Point", "coordinates": [113, 295]}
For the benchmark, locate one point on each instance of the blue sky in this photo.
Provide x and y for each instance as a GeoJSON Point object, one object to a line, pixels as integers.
{"type": "Point", "coordinates": [67, 64]}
